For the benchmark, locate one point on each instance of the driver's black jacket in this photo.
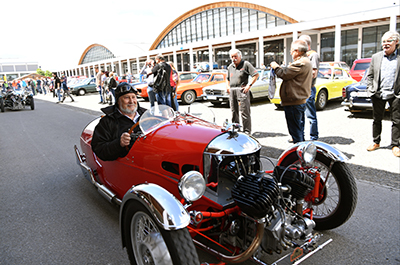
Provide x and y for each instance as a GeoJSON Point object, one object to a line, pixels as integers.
{"type": "Point", "coordinates": [107, 134]}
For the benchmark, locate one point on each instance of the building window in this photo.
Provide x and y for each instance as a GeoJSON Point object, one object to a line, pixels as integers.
{"type": "Point", "coordinates": [328, 46]}
{"type": "Point", "coordinates": [273, 51]}
{"type": "Point", "coordinates": [372, 40]}
{"type": "Point", "coordinates": [349, 46]}
{"type": "Point", "coordinates": [248, 52]}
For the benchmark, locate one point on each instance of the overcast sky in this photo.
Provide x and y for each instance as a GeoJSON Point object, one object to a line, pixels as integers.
{"type": "Point", "coordinates": [56, 33]}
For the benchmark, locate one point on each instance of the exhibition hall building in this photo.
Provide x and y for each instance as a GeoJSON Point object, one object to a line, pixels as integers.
{"type": "Point", "coordinates": [207, 33]}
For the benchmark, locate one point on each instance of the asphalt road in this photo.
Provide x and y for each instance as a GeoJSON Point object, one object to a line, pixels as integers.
{"type": "Point", "coordinates": [50, 214]}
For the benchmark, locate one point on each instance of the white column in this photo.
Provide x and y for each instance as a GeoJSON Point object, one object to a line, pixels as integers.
{"type": "Point", "coordinates": [338, 38]}
{"type": "Point", "coordinates": [120, 68]}
{"type": "Point", "coordinates": [137, 65]}
{"type": "Point", "coordinates": [233, 45]}
{"type": "Point", "coordinates": [319, 43]}
{"type": "Point", "coordinates": [128, 64]}
{"type": "Point", "coordinates": [210, 56]}
{"type": "Point", "coordinates": [295, 35]}
{"type": "Point", "coordinates": [260, 53]}
{"type": "Point", "coordinates": [191, 59]}
{"type": "Point", "coordinates": [393, 22]}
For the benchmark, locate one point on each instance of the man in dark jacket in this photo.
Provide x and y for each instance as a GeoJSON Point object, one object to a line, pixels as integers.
{"type": "Point", "coordinates": [111, 139]}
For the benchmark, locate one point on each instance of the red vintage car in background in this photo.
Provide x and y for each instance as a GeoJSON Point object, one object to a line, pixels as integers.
{"type": "Point", "coordinates": [358, 68]}
{"type": "Point", "coordinates": [184, 77]}
{"type": "Point", "coordinates": [187, 181]}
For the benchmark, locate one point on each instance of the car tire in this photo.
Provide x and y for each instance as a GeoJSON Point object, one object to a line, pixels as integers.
{"type": "Point", "coordinates": [216, 103]}
{"type": "Point", "coordinates": [147, 242]}
{"type": "Point", "coordinates": [188, 97]}
{"type": "Point", "coordinates": [81, 92]}
{"type": "Point", "coordinates": [2, 104]}
{"type": "Point", "coordinates": [322, 99]}
{"type": "Point", "coordinates": [32, 104]}
{"type": "Point", "coordinates": [278, 106]}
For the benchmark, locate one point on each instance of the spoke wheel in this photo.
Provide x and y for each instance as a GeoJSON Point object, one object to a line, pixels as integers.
{"type": "Point", "coordinates": [148, 243]}
{"type": "Point", "coordinates": [338, 197]}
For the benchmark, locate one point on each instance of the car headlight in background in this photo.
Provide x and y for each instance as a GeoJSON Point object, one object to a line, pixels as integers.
{"type": "Point", "coordinates": [307, 153]}
{"type": "Point", "coordinates": [192, 186]}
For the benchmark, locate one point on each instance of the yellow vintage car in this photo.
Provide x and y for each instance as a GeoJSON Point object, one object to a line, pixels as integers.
{"type": "Point", "coordinates": [329, 84]}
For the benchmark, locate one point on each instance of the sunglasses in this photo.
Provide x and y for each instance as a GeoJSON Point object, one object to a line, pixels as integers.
{"type": "Point", "coordinates": [388, 41]}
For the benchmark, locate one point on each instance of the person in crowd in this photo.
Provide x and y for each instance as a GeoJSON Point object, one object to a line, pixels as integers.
{"type": "Point", "coordinates": [150, 80]}
{"type": "Point", "coordinates": [163, 96]}
{"type": "Point", "coordinates": [56, 86]}
{"type": "Point", "coordinates": [65, 89]}
{"type": "Point", "coordinates": [39, 85]}
{"type": "Point", "coordinates": [105, 89]}
{"type": "Point", "coordinates": [311, 111]}
{"type": "Point", "coordinates": [99, 82]}
{"type": "Point", "coordinates": [174, 85]}
{"type": "Point", "coordinates": [238, 87]}
{"type": "Point", "coordinates": [295, 88]}
{"type": "Point", "coordinates": [128, 77]}
{"type": "Point", "coordinates": [111, 139]}
{"type": "Point", "coordinates": [112, 85]}
{"type": "Point", "coordinates": [383, 86]}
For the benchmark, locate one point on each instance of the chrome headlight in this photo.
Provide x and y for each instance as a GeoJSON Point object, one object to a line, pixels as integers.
{"type": "Point", "coordinates": [192, 186]}
{"type": "Point", "coordinates": [307, 153]}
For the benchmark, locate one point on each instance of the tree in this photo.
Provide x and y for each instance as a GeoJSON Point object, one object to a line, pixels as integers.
{"type": "Point", "coordinates": [40, 71]}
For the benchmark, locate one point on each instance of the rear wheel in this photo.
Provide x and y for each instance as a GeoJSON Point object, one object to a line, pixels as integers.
{"type": "Point", "coordinates": [338, 194]}
{"type": "Point", "coordinates": [188, 97]}
{"type": "Point", "coordinates": [148, 243]}
{"type": "Point", "coordinates": [81, 92]}
{"type": "Point", "coordinates": [322, 99]}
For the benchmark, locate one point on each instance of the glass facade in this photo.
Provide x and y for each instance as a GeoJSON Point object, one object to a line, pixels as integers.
{"type": "Point", "coordinates": [219, 22]}
{"type": "Point", "coordinates": [349, 45]}
{"type": "Point", "coordinates": [327, 47]}
{"type": "Point", "coordinates": [97, 53]}
{"type": "Point", "coordinates": [273, 51]}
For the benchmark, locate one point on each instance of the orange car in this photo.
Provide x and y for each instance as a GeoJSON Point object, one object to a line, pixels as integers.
{"type": "Point", "coordinates": [188, 93]}
{"type": "Point", "coordinates": [184, 77]}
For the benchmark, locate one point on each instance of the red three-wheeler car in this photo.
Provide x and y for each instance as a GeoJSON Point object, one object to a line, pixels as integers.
{"type": "Point", "coordinates": [188, 182]}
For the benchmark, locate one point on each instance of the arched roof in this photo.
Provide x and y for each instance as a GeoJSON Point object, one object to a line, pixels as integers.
{"type": "Point", "coordinates": [203, 8]}
{"type": "Point", "coordinates": [106, 54]}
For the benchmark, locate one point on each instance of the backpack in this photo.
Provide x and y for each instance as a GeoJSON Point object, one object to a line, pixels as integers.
{"type": "Point", "coordinates": [160, 80]}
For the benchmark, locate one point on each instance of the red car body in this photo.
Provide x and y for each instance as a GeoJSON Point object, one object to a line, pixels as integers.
{"type": "Point", "coordinates": [358, 68]}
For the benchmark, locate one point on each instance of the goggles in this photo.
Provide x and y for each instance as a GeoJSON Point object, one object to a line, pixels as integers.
{"type": "Point", "coordinates": [125, 88]}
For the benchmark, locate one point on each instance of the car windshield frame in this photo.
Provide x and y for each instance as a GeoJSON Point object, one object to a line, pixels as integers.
{"type": "Point", "coordinates": [155, 117]}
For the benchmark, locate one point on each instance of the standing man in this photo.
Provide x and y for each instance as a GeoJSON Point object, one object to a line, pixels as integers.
{"type": "Point", "coordinates": [65, 89]}
{"type": "Point", "coordinates": [99, 82]}
{"type": "Point", "coordinates": [295, 88]}
{"type": "Point", "coordinates": [163, 95]}
{"type": "Point", "coordinates": [311, 111]}
{"type": "Point", "coordinates": [383, 84]}
{"type": "Point", "coordinates": [238, 86]}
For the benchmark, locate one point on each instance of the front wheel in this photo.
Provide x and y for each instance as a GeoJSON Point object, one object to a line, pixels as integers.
{"type": "Point", "coordinates": [81, 92]}
{"type": "Point", "coordinates": [148, 243]}
{"type": "Point", "coordinates": [32, 104]}
{"type": "Point", "coordinates": [338, 193]}
{"type": "Point", "coordinates": [188, 97]}
{"type": "Point", "coordinates": [322, 99]}
{"type": "Point", "coordinates": [2, 104]}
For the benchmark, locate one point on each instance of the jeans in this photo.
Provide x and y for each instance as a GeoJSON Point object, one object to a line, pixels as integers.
{"type": "Point", "coordinates": [311, 114]}
{"type": "Point", "coordinates": [152, 96]}
{"type": "Point", "coordinates": [163, 98]}
{"type": "Point", "coordinates": [101, 94]}
{"type": "Point", "coordinates": [295, 121]}
{"type": "Point", "coordinates": [378, 109]}
{"type": "Point", "coordinates": [59, 94]}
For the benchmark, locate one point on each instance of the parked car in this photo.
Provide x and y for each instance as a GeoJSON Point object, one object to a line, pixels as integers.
{"type": "Point", "coordinates": [358, 68]}
{"type": "Point", "coordinates": [87, 85]}
{"type": "Point", "coordinates": [184, 77]}
{"type": "Point", "coordinates": [189, 92]}
{"type": "Point", "coordinates": [217, 94]}
{"type": "Point", "coordinates": [329, 84]}
{"type": "Point", "coordinates": [343, 65]}
{"type": "Point", "coordinates": [188, 181]}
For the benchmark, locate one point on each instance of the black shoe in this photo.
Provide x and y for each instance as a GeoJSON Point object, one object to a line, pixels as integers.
{"type": "Point", "coordinates": [290, 140]}
{"type": "Point", "coordinates": [101, 102]}
{"type": "Point", "coordinates": [73, 101]}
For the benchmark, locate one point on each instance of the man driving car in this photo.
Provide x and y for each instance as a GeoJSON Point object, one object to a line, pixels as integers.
{"type": "Point", "coordinates": [111, 139]}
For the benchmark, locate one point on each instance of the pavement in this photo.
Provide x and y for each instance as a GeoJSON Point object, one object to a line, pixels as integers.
{"type": "Point", "coordinates": [349, 134]}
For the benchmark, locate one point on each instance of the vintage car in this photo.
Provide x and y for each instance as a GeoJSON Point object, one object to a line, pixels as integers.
{"type": "Point", "coordinates": [16, 99]}
{"type": "Point", "coordinates": [343, 65]}
{"type": "Point", "coordinates": [217, 94]}
{"type": "Point", "coordinates": [184, 77]}
{"type": "Point", "coordinates": [358, 68]}
{"type": "Point", "coordinates": [355, 96]}
{"type": "Point", "coordinates": [189, 92]}
{"type": "Point", "coordinates": [187, 182]}
{"type": "Point", "coordinates": [329, 85]}
{"type": "Point", "coordinates": [85, 86]}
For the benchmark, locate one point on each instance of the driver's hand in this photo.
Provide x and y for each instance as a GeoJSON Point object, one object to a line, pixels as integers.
{"type": "Point", "coordinates": [125, 139]}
